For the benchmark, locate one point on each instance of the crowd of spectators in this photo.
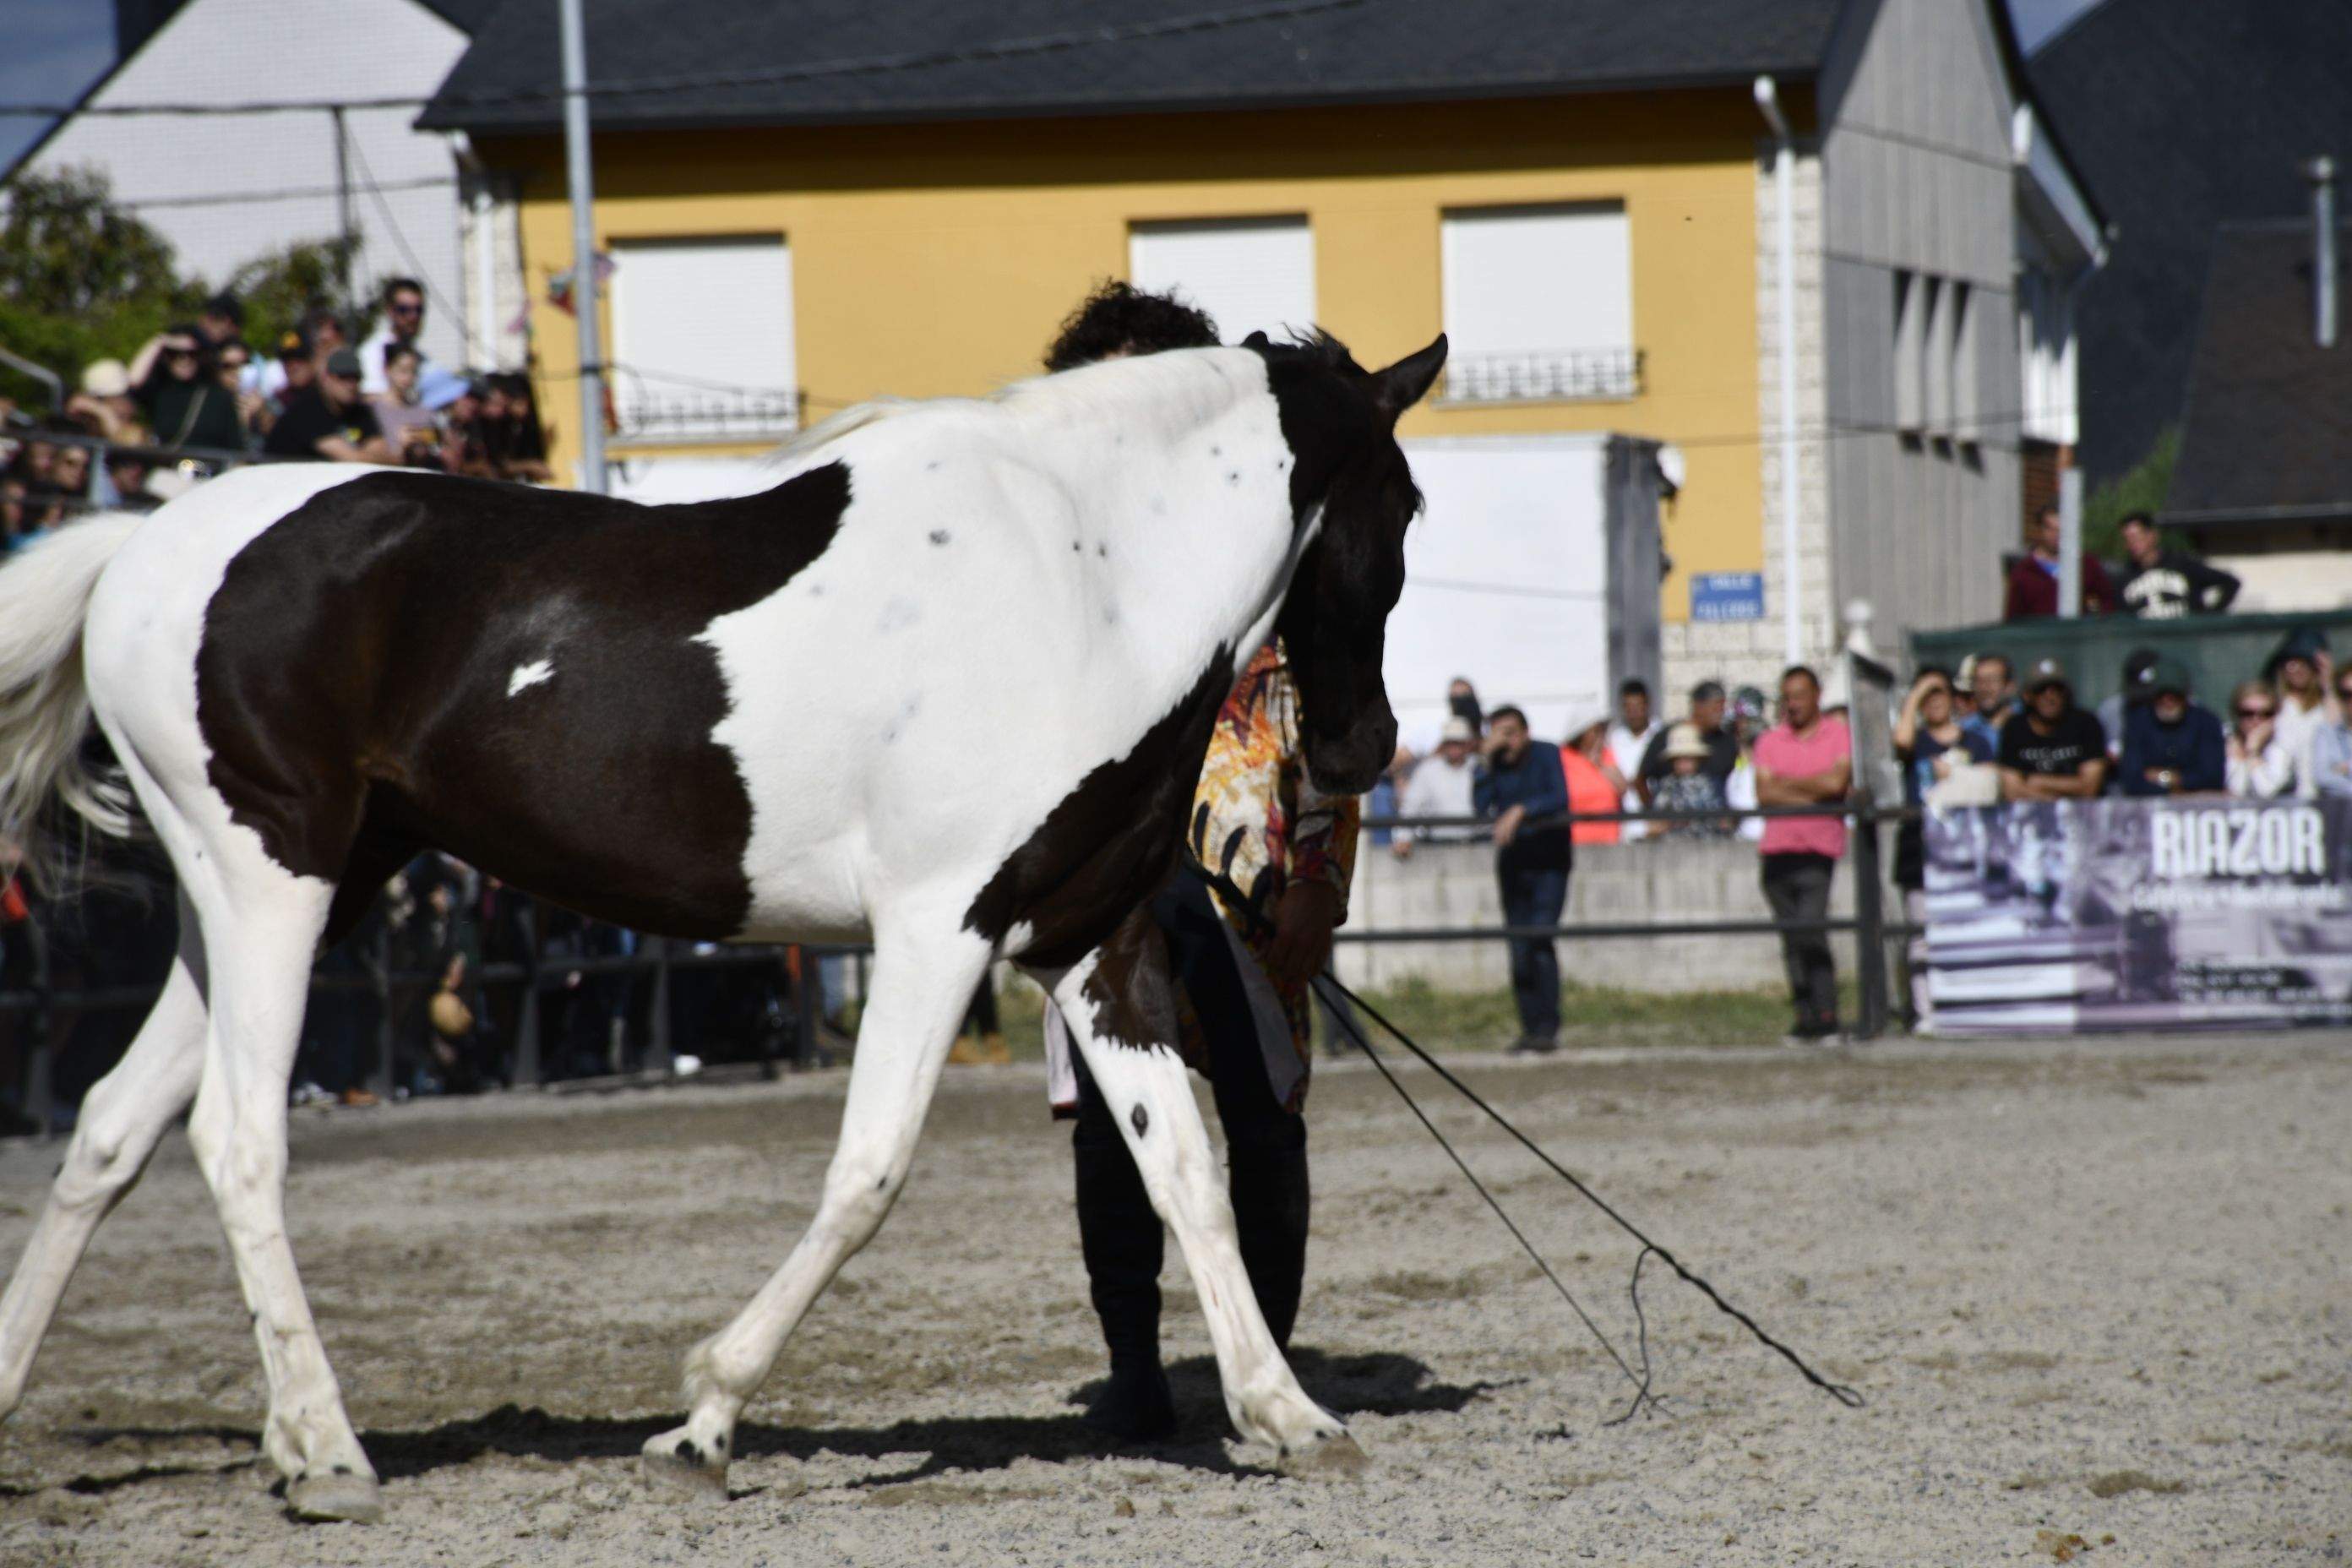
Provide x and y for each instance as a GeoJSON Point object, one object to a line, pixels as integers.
{"type": "Point", "coordinates": [1982, 735]}
{"type": "Point", "coordinates": [198, 397]}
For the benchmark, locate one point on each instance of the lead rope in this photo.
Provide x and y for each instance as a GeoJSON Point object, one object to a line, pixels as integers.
{"type": "Point", "coordinates": [1329, 988]}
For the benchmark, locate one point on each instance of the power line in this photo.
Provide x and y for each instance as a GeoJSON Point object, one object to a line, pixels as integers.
{"type": "Point", "coordinates": [289, 194]}
{"type": "Point", "coordinates": [400, 238]}
{"type": "Point", "coordinates": [861, 65]}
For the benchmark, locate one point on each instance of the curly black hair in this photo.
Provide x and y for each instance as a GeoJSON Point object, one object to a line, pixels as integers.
{"type": "Point", "coordinates": [1118, 317]}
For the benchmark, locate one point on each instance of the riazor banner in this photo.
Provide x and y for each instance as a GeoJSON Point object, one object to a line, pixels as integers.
{"type": "Point", "coordinates": [2052, 916]}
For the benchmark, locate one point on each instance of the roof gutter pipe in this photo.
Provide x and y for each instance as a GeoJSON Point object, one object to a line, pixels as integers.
{"type": "Point", "coordinates": [1784, 159]}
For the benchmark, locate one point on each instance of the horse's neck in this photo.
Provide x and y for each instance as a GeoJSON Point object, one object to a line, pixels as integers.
{"type": "Point", "coordinates": [1184, 480]}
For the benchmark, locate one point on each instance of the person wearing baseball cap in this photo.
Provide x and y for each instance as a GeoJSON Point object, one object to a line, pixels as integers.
{"type": "Point", "coordinates": [1440, 787]}
{"type": "Point", "coordinates": [2053, 751]}
{"type": "Point", "coordinates": [331, 420]}
{"type": "Point", "coordinates": [2172, 746]}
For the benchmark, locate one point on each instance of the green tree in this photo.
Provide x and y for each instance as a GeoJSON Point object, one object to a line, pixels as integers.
{"type": "Point", "coordinates": [2141, 490]}
{"type": "Point", "coordinates": [276, 289]}
{"type": "Point", "coordinates": [80, 278]}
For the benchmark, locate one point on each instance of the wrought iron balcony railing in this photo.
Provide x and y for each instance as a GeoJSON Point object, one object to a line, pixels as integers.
{"type": "Point", "coordinates": [1549, 375]}
{"type": "Point", "coordinates": [739, 415]}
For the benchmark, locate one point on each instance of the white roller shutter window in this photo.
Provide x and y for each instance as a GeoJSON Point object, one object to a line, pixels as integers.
{"type": "Point", "coordinates": [1540, 302]}
{"type": "Point", "coordinates": [1250, 274]}
{"type": "Point", "coordinates": [702, 339]}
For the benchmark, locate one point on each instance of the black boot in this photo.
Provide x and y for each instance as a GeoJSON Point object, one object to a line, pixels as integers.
{"type": "Point", "coordinates": [1270, 1196]}
{"type": "Point", "coordinates": [1121, 1239]}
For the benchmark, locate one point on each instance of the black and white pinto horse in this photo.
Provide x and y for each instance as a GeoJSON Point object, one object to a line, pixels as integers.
{"type": "Point", "coordinates": [949, 682]}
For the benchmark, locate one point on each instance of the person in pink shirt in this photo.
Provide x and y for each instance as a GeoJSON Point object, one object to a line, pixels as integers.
{"type": "Point", "coordinates": [1806, 760]}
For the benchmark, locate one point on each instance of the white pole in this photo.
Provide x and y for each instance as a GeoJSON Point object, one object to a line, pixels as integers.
{"type": "Point", "coordinates": [2070, 543]}
{"type": "Point", "coordinates": [1784, 160]}
{"type": "Point", "coordinates": [583, 248]}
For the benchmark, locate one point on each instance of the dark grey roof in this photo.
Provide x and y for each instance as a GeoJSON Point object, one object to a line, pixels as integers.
{"type": "Point", "coordinates": [2181, 114]}
{"type": "Point", "coordinates": [465, 16]}
{"type": "Point", "coordinates": [946, 59]}
{"type": "Point", "coordinates": [2268, 429]}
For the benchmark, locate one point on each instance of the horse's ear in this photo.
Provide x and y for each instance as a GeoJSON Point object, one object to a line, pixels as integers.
{"type": "Point", "coordinates": [1408, 381]}
{"type": "Point", "coordinates": [1257, 340]}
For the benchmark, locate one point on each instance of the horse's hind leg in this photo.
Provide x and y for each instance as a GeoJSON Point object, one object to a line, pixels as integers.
{"type": "Point", "coordinates": [923, 980]}
{"type": "Point", "coordinates": [261, 928]}
{"type": "Point", "coordinates": [1121, 1010]}
{"type": "Point", "coordinates": [122, 1118]}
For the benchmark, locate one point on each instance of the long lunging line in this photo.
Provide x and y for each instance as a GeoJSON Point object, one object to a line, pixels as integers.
{"type": "Point", "coordinates": [1335, 994]}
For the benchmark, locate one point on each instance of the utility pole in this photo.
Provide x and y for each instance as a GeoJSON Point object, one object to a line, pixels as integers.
{"type": "Point", "coordinates": [348, 242]}
{"type": "Point", "coordinates": [583, 248]}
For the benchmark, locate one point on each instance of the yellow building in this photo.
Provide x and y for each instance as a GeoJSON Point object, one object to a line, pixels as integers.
{"type": "Point", "coordinates": [802, 214]}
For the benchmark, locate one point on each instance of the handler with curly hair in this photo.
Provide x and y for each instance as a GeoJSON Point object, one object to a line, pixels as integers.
{"type": "Point", "coordinates": [1242, 976]}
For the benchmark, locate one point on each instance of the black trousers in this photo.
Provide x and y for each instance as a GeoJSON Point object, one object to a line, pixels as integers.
{"type": "Point", "coordinates": [1119, 1231]}
{"type": "Point", "coordinates": [1798, 889]}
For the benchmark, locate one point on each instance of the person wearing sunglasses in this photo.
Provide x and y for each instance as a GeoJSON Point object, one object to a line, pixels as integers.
{"type": "Point", "coordinates": [331, 419]}
{"type": "Point", "coordinates": [2260, 767]}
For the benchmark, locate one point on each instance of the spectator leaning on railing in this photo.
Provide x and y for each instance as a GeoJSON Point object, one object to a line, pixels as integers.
{"type": "Point", "coordinates": [2331, 746]}
{"type": "Point", "coordinates": [1806, 760]}
{"type": "Point", "coordinates": [1687, 787]}
{"type": "Point", "coordinates": [1706, 705]}
{"type": "Point", "coordinates": [2053, 750]}
{"type": "Point", "coordinates": [2259, 765]}
{"type": "Point", "coordinates": [331, 420]}
{"type": "Point", "coordinates": [409, 427]}
{"type": "Point", "coordinates": [2305, 674]}
{"type": "Point", "coordinates": [1594, 784]}
{"type": "Point", "coordinates": [2172, 746]}
{"type": "Point", "coordinates": [1441, 785]}
{"type": "Point", "coordinates": [1992, 694]}
{"type": "Point", "coordinates": [1931, 743]}
{"type": "Point", "coordinates": [1629, 742]}
{"type": "Point", "coordinates": [1520, 782]}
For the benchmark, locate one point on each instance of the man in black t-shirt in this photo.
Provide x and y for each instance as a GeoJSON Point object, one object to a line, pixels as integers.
{"type": "Point", "coordinates": [2053, 750]}
{"type": "Point", "coordinates": [329, 420]}
{"type": "Point", "coordinates": [2165, 584]}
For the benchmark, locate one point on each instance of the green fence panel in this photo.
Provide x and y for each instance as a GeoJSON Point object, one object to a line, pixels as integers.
{"type": "Point", "coordinates": [2219, 650]}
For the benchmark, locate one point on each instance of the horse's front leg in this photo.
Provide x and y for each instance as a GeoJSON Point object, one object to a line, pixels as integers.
{"type": "Point", "coordinates": [1119, 1003]}
{"type": "Point", "coordinates": [924, 973]}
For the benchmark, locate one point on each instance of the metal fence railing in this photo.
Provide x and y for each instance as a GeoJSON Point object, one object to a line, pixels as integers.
{"type": "Point", "coordinates": [540, 970]}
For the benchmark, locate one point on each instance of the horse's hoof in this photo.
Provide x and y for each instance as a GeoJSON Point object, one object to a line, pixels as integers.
{"type": "Point", "coordinates": [324, 1497]}
{"type": "Point", "coordinates": [1336, 1456]}
{"type": "Point", "coordinates": [671, 1463]}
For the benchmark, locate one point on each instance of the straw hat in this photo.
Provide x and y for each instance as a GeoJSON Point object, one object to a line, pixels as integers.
{"type": "Point", "coordinates": [1682, 740]}
{"type": "Point", "coordinates": [106, 378]}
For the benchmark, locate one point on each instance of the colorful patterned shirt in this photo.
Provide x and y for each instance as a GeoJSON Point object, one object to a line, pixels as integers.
{"type": "Point", "coordinates": [1257, 818]}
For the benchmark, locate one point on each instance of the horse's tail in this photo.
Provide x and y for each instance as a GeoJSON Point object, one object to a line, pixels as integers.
{"type": "Point", "coordinates": [44, 704]}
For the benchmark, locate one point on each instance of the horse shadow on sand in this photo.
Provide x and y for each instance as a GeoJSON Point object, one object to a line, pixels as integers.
{"type": "Point", "coordinates": [1377, 1383]}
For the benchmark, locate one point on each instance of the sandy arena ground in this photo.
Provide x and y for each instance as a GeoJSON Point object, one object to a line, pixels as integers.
{"type": "Point", "coordinates": [2099, 1295]}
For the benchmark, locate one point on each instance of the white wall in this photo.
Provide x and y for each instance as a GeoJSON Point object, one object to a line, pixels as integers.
{"type": "Point", "coordinates": [280, 168]}
{"type": "Point", "coordinates": [1251, 275]}
{"type": "Point", "coordinates": [1506, 580]}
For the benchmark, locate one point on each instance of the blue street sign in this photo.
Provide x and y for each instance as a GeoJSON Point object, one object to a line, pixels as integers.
{"type": "Point", "coordinates": [1727, 597]}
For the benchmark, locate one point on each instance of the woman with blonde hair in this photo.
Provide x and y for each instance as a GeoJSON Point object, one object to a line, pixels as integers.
{"type": "Point", "coordinates": [2260, 766]}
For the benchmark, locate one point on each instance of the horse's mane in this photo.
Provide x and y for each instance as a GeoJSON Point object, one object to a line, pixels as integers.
{"type": "Point", "coordinates": [1313, 343]}
{"type": "Point", "coordinates": [828, 430]}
